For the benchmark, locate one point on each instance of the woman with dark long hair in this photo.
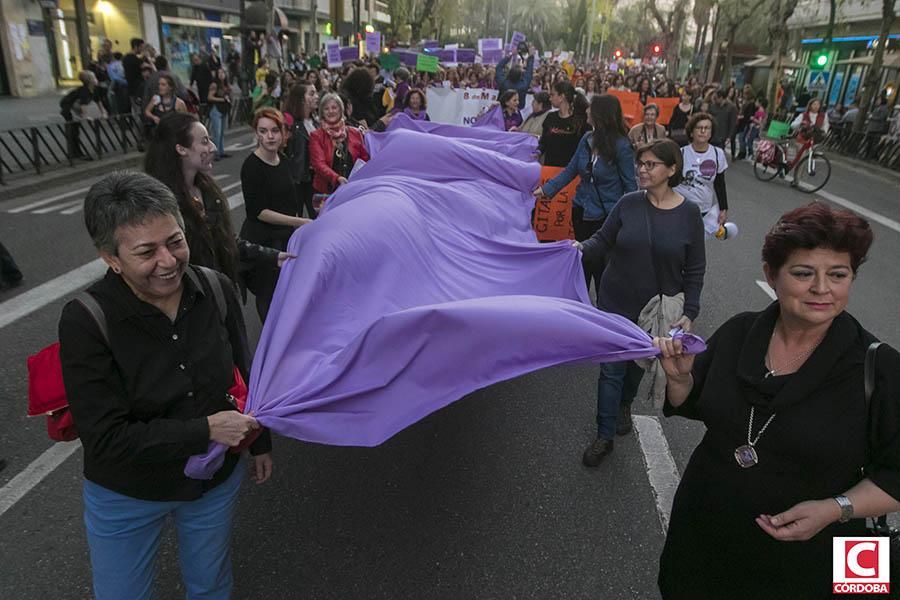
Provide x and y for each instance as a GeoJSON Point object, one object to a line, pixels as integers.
{"type": "Point", "coordinates": [181, 155]}
{"type": "Point", "coordinates": [565, 127]}
{"type": "Point", "coordinates": [218, 98]}
{"type": "Point", "coordinates": [605, 161]}
{"type": "Point", "coordinates": [509, 104]}
{"type": "Point", "coordinates": [301, 106]}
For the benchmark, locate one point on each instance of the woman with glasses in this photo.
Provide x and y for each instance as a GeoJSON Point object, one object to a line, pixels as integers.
{"type": "Point", "coordinates": [652, 243]}
{"type": "Point", "coordinates": [704, 173]}
{"type": "Point", "coordinates": [605, 161]}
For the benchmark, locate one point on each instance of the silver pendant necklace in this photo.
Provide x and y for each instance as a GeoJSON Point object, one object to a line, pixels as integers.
{"type": "Point", "coordinates": [746, 455]}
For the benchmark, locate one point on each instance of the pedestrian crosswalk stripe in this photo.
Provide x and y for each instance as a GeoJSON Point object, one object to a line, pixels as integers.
{"type": "Point", "coordinates": [71, 207]}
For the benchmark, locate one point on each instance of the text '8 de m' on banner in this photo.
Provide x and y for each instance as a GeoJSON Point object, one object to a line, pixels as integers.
{"type": "Point", "coordinates": [553, 216]}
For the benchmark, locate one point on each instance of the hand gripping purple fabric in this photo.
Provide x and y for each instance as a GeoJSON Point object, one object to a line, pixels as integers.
{"type": "Point", "coordinates": [419, 283]}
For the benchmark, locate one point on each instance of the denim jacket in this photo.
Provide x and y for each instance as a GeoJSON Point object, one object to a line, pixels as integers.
{"type": "Point", "coordinates": [610, 182]}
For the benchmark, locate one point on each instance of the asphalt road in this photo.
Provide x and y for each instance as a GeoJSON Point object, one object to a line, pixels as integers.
{"type": "Point", "coordinates": [485, 499]}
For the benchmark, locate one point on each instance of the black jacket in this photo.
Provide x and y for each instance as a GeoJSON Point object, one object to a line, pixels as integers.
{"type": "Point", "coordinates": [813, 448]}
{"type": "Point", "coordinates": [140, 403]}
{"type": "Point", "coordinates": [298, 152]}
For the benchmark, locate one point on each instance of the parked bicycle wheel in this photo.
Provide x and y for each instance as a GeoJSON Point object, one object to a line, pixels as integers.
{"type": "Point", "coordinates": [811, 176]}
{"type": "Point", "coordinates": [766, 170]}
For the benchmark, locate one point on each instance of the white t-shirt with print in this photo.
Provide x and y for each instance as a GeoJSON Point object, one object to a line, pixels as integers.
{"type": "Point", "coordinates": [700, 170]}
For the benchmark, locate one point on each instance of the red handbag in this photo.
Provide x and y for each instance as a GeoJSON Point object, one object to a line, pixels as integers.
{"type": "Point", "coordinates": [47, 394]}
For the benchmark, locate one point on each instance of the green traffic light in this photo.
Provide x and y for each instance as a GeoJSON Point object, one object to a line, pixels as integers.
{"type": "Point", "coordinates": [822, 60]}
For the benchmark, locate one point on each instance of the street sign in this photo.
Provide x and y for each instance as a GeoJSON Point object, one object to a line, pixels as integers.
{"type": "Point", "coordinates": [818, 81]}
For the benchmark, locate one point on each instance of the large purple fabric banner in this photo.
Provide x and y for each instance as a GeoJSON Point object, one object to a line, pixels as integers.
{"type": "Point", "coordinates": [520, 146]}
{"type": "Point", "coordinates": [419, 283]}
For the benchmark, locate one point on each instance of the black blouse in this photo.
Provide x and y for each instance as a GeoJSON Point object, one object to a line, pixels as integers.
{"type": "Point", "coordinates": [140, 403]}
{"type": "Point", "coordinates": [267, 187]}
{"type": "Point", "coordinates": [813, 449]}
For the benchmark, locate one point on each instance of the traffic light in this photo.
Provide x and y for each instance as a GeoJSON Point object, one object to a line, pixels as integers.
{"type": "Point", "coordinates": [657, 49]}
{"type": "Point", "coordinates": [328, 28]}
{"type": "Point", "coordinates": [819, 60]}
{"type": "Point", "coordinates": [618, 54]}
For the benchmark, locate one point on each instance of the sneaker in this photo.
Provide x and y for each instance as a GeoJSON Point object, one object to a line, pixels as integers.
{"type": "Point", "coordinates": [596, 452]}
{"type": "Point", "coordinates": [623, 422]}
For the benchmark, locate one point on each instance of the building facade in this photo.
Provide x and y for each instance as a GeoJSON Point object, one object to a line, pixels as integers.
{"type": "Point", "coordinates": [857, 25]}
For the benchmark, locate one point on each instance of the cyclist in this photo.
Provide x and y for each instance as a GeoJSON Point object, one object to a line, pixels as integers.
{"type": "Point", "coordinates": [809, 127]}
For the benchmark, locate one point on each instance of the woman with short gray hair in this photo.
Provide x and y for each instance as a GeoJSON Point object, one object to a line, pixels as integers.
{"type": "Point", "coordinates": [147, 367]}
{"type": "Point", "coordinates": [334, 147]}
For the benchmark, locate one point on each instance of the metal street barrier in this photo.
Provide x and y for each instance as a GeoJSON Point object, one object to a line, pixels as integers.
{"type": "Point", "coordinates": [40, 148]}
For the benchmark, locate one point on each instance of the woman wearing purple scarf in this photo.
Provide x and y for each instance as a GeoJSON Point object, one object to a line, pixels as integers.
{"type": "Point", "coordinates": [415, 105]}
{"type": "Point", "coordinates": [512, 118]}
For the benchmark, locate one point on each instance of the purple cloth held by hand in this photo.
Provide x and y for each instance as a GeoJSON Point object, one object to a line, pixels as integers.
{"type": "Point", "coordinates": [420, 282]}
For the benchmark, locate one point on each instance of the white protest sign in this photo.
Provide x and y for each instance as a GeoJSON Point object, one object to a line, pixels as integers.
{"type": "Point", "coordinates": [458, 106]}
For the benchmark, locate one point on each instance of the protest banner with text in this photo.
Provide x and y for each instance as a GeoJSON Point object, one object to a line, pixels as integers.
{"type": "Point", "coordinates": [553, 216]}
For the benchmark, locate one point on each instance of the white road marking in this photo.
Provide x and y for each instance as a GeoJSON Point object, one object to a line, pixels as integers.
{"type": "Point", "coordinates": [50, 200]}
{"type": "Point", "coordinates": [236, 200]}
{"type": "Point", "coordinates": [231, 186]}
{"type": "Point", "coordinates": [34, 473]}
{"type": "Point", "coordinates": [240, 146]}
{"type": "Point", "coordinates": [34, 299]}
{"type": "Point", "coordinates": [865, 212]}
{"type": "Point", "coordinates": [75, 209]}
{"type": "Point", "coordinates": [767, 289]}
{"type": "Point", "coordinates": [661, 469]}
{"type": "Point", "coordinates": [56, 207]}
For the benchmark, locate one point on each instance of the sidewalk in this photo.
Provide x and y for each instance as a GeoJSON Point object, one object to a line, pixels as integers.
{"type": "Point", "coordinates": [16, 113]}
{"type": "Point", "coordinates": [25, 184]}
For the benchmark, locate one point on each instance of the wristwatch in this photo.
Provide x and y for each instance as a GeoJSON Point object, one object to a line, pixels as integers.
{"type": "Point", "coordinates": [846, 508]}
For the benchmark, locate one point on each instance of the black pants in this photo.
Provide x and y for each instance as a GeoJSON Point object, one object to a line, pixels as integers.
{"type": "Point", "coordinates": [583, 231]}
{"type": "Point", "coordinates": [9, 270]}
{"type": "Point", "coordinates": [304, 199]}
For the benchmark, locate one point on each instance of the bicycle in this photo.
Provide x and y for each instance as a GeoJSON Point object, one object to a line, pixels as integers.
{"type": "Point", "coordinates": [811, 167]}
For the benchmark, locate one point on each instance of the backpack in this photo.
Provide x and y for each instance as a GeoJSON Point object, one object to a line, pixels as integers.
{"type": "Point", "coordinates": [67, 103]}
{"type": "Point", "coordinates": [46, 388]}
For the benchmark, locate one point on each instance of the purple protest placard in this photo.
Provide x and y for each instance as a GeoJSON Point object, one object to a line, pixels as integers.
{"type": "Point", "coordinates": [445, 56]}
{"type": "Point", "coordinates": [407, 58]}
{"type": "Point", "coordinates": [373, 43]}
{"type": "Point", "coordinates": [465, 55]}
{"type": "Point", "coordinates": [333, 54]}
{"type": "Point", "coordinates": [491, 57]}
{"type": "Point", "coordinates": [349, 53]}
{"type": "Point", "coordinates": [517, 38]}
{"type": "Point", "coordinates": [489, 44]}
{"type": "Point", "coordinates": [431, 44]}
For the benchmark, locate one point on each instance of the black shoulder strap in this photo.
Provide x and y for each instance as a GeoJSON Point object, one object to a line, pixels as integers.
{"type": "Point", "coordinates": [869, 372]}
{"type": "Point", "coordinates": [94, 309]}
{"type": "Point", "coordinates": [214, 284]}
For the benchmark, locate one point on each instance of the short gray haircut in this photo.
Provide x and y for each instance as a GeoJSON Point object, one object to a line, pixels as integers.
{"type": "Point", "coordinates": [330, 97]}
{"type": "Point", "coordinates": [125, 198]}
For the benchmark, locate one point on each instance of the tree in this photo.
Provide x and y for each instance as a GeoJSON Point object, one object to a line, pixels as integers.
{"type": "Point", "coordinates": [629, 29]}
{"type": "Point", "coordinates": [701, 13]}
{"type": "Point", "coordinates": [533, 17]}
{"type": "Point", "coordinates": [873, 75]}
{"type": "Point", "coordinates": [734, 14]}
{"type": "Point", "coordinates": [781, 11]}
{"type": "Point", "coordinates": [671, 27]}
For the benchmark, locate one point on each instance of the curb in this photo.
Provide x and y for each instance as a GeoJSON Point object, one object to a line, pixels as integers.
{"type": "Point", "coordinates": [81, 170]}
{"type": "Point", "coordinates": [33, 182]}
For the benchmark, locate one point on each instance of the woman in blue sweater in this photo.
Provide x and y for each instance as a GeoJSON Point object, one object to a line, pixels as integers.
{"type": "Point", "coordinates": [605, 161]}
{"type": "Point", "coordinates": [652, 243]}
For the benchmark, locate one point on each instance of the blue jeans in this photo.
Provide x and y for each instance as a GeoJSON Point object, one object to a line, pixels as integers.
{"type": "Point", "coordinates": [123, 536]}
{"type": "Point", "coordinates": [749, 136]}
{"type": "Point", "coordinates": [217, 129]}
{"type": "Point", "coordinates": [618, 383]}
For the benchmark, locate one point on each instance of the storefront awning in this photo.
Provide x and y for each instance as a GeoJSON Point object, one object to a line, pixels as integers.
{"type": "Point", "coordinates": [891, 61]}
{"type": "Point", "coordinates": [765, 61]}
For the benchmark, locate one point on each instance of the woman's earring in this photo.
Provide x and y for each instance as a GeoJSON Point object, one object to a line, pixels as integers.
{"type": "Point", "coordinates": [117, 270]}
